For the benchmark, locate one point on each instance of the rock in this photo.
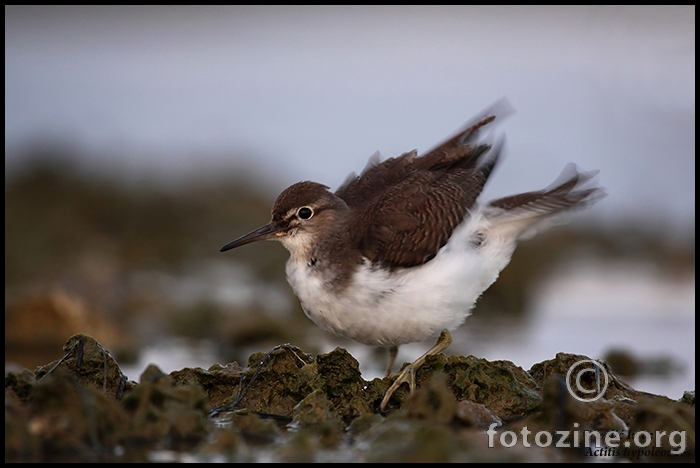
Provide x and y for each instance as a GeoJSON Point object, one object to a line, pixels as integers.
{"type": "Point", "coordinates": [289, 406]}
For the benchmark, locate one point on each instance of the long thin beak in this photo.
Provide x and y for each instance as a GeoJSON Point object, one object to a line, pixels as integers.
{"type": "Point", "coordinates": [265, 232]}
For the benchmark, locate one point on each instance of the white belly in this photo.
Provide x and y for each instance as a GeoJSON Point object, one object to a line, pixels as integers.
{"type": "Point", "coordinates": [409, 304]}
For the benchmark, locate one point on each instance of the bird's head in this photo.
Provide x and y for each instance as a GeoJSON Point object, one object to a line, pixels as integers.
{"type": "Point", "coordinates": [303, 214]}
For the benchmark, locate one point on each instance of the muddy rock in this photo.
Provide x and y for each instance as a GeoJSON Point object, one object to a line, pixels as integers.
{"type": "Point", "coordinates": [93, 366]}
{"type": "Point", "coordinates": [289, 406]}
{"type": "Point", "coordinates": [217, 382]}
{"type": "Point", "coordinates": [501, 386]}
{"type": "Point", "coordinates": [62, 419]}
{"type": "Point", "coordinates": [160, 411]}
{"type": "Point", "coordinates": [475, 415]}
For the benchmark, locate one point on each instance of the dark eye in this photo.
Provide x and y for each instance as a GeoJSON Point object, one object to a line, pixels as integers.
{"type": "Point", "coordinates": [305, 212]}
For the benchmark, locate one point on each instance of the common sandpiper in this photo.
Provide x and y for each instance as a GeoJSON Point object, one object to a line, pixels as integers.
{"type": "Point", "coordinates": [401, 253]}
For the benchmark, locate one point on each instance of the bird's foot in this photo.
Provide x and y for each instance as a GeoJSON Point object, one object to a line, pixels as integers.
{"type": "Point", "coordinates": [407, 375]}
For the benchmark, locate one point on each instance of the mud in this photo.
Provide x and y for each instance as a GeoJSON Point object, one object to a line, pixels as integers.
{"type": "Point", "coordinates": [289, 406]}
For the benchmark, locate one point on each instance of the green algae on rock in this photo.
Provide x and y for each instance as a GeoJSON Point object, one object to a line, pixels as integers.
{"type": "Point", "coordinates": [286, 405]}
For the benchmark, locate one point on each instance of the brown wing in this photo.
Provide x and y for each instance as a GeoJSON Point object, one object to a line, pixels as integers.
{"type": "Point", "coordinates": [458, 152]}
{"type": "Point", "coordinates": [375, 178]}
{"type": "Point", "coordinates": [412, 220]}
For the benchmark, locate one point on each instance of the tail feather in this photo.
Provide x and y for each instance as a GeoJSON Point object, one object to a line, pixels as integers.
{"type": "Point", "coordinates": [519, 215]}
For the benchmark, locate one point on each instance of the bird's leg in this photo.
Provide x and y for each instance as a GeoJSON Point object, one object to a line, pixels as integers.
{"type": "Point", "coordinates": [393, 352]}
{"type": "Point", "coordinates": [408, 374]}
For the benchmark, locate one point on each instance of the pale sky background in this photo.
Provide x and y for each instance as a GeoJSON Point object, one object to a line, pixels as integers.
{"type": "Point", "coordinates": [311, 92]}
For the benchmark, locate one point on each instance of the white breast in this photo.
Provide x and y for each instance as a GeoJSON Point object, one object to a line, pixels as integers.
{"type": "Point", "coordinates": [409, 304]}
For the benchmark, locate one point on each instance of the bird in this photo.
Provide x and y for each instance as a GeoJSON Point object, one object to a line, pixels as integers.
{"type": "Point", "coordinates": [402, 252]}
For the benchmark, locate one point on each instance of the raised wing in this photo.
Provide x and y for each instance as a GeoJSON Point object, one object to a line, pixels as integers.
{"type": "Point", "coordinates": [459, 152]}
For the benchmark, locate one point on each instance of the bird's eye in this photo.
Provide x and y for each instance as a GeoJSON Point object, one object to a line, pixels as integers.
{"type": "Point", "coordinates": [305, 212]}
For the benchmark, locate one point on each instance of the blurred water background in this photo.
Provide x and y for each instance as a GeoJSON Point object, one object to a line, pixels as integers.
{"type": "Point", "coordinates": [139, 140]}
